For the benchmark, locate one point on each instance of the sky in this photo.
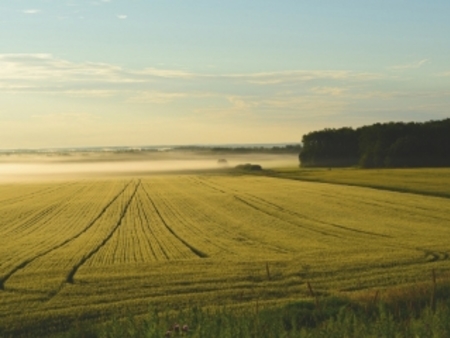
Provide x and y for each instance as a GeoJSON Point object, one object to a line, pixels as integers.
{"type": "Point", "coordinates": [76, 73]}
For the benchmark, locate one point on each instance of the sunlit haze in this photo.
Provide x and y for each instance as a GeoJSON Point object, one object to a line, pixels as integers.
{"type": "Point", "coordinates": [32, 167]}
{"type": "Point", "coordinates": [77, 73]}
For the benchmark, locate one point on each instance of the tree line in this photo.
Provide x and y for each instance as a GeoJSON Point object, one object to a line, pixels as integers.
{"type": "Point", "coordinates": [282, 149]}
{"type": "Point", "coordinates": [394, 144]}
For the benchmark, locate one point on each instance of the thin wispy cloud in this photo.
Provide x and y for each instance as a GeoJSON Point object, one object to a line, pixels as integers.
{"type": "Point", "coordinates": [31, 11]}
{"type": "Point", "coordinates": [213, 96]}
{"type": "Point", "coordinates": [93, 93]}
{"type": "Point", "coordinates": [122, 16]}
{"type": "Point", "coordinates": [67, 121]}
{"type": "Point", "coordinates": [283, 107]}
{"type": "Point", "coordinates": [157, 97]}
{"type": "Point", "coordinates": [168, 73]}
{"type": "Point", "coordinates": [443, 74]}
{"type": "Point", "coordinates": [272, 78]}
{"type": "Point", "coordinates": [44, 67]}
{"type": "Point", "coordinates": [99, 3]}
{"type": "Point", "coordinates": [65, 117]}
{"type": "Point", "coordinates": [413, 65]}
{"type": "Point", "coordinates": [329, 91]}
{"type": "Point", "coordinates": [47, 67]}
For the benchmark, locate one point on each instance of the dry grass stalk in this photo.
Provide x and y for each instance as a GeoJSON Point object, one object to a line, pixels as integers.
{"type": "Point", "coordinates": [268, 271]}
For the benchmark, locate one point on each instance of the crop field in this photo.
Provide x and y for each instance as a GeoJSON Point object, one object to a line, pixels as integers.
{"type": "Point", "coordinates": [424, 181]}
{"type": "Point", "coordinates": [93, 249]}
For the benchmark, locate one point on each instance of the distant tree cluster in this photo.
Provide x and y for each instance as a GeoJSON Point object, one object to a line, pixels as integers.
{"type": "Point", "coordinates": [249, 167]}
{"type": "Point", "coordinates": [379, 145]}
{"type": "Point", "coordinates": [286, 149]}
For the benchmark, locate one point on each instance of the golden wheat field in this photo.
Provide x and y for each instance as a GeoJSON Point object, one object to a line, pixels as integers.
{"type": "Point", "coordinates": [91, 249]}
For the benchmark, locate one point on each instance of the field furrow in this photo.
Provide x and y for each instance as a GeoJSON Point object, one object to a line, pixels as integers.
{"type": "Point", "coordinates": [142, 237]}
{"type": "Point", "coordinates": [83, 224]}
{"type": "Point", "coordinates": [164, 242]}
{"type": "Point", "coordinates": [325, 205]}
{"type": "Point", "coordinates": [21, 193]}
{"type": "Point", "coordinates": [37, 236]}
{"type": "Point", "coordinates": [234, 227]}
{"type": "Point", "coordinates": [19, 217]}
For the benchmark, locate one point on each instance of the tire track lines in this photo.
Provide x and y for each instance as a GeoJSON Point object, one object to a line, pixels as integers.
{"type": "Point", "coordinates": [22, 265]}
{"type": "Point", "coordinates": [292, 213]}
{"type": "Point", "coordinates": [44, 191]}
{"type": "Point", "coordinates": [202, 183]}
{"type": "Point", "coordinates": [434, 256]}
{"type": "Point", "coordinates": [194, 220]}
{"type": "Point", "coordinates": [296, 214]}
{"type": "Point", "coordinates": [34, 216]}
{"type": "Point", "coordinates": [70, 276]}
{"type": "Point", "coordinates": [312, 219]}
{"type": "Point", "coordinates": [196, 251]}
{"type": "Point", "coordinates": [201, 214]}
{"type": "Point", "coordinates": [429, 255]}
{"type": "Point", "coordinates": [152, 232]}
{"type": "Point", "coordinates": [210, 214]}
{"type": "Point", "coordinates": [143, 248]}
{"type": "Point", "coordinates": [32, 220]}
{"type": "Point", "coordinates": [150, 251]}
{"type": "Point", "coordinates": [417, 209]}
{"type": "Point", "coordinates": [43, 215]}
{"type": "Point", "coordinates": [251, 205]}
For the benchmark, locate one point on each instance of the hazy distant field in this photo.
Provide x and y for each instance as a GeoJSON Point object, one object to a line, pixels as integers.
{"type": "Point", "coordinates": [73, 165]}
{"type": "Point", "coordinates": [89, 249]}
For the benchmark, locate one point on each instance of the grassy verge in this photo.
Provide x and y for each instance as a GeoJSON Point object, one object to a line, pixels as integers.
{"type": "Point", "coordinates": [420, 311]}
{"type": "Point", "coordinates": [428, 181]}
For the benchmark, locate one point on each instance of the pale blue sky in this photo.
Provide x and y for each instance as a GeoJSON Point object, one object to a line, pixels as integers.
{"type": "Point", "coordinates": [136, 72]}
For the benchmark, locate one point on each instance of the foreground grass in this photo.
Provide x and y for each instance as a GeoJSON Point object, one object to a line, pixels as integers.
{"type": "Point", "coordinates": [394, 316]}
{"type": "Point", "coordinates": [426, 181]}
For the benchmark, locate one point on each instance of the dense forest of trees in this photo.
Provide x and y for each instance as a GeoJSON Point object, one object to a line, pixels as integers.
{"type": "Point", "coordinates": [380, 145]}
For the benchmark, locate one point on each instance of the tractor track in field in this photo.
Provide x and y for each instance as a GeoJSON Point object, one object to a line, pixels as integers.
{"type": "Point", "coordinates": [28, 261]}
{"type": "Point", "coordinates": [400, 208]}
{"type": "Point", "coordinates": [33, 217]}
{"type": "Point", "coordinates": [429, 256]}
{"type": "Point", "coordinates": [70, 276]}
{"type": "Point", "coordinates": [141, 211]}
{"type": "Point", "coordinates": [196, 251]}
{"type": "Point", "coordinates": [296, 214]}
{"type": "Point", "coordinates": [251, 205]}
{"type": "Point", "coordinates": [230, 233]}
{"type": "Point", "coordinates": [435, 256]}
{"type": "Point", "coordinates": [44, 191]}
{"type": "Point", "coordinates": [224, 247]}
{"type": "Point", "coordinates": [36, 217]}
{"type": "Point", "coordinates": [203, 183]}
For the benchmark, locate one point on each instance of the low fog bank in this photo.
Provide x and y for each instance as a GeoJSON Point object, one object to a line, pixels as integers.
{"type": "Point", "coordinates": [34, 167]}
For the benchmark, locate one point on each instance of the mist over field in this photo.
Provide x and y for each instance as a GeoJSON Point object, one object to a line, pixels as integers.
{"type": "Point", "coordinates": [65, 166]}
